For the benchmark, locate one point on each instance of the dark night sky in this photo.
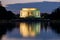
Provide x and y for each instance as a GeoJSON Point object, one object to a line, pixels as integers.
{"type": "Point", "coordinates": [42, 6]}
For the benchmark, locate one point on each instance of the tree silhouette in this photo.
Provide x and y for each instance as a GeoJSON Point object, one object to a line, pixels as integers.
{"type": "Point", "coordinates": [4, 14]}
{"type": "Point", "coordinates": [55, 24]}
{"type": "Point", "coordinates": [18, 16]}
{"type": "Point", "coordinates": [45, 15]}
{"type": "Point", "coordinates": [11, 15]}
{"type": "Point", "coordinates": [55, 14]}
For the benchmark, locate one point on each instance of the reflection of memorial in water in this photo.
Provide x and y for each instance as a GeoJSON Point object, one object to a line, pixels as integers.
{"type": "Point", "coordinates": [29, 29]}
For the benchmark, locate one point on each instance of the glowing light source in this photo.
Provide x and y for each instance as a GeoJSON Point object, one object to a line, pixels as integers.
{"type": "Point", "coordinates": [23, 14]}
{"type": "Point", "coordinates": [29, 9]}
{"type": "Point", "coordinates": [27, 12]}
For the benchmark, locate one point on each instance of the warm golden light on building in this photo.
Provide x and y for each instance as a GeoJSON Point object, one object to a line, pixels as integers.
{"type": "Point", "coordinates": [29, 9]}
{"type": "Point", "coordinates": [23, 14]}
{"type": "Point", "coordinates": [27, 12]}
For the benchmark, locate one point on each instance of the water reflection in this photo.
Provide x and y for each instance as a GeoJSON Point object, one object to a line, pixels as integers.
{"type": "Point", "coordinates": [4, 27]}
{"type": "Point", "coordinates": [24, 29]}
{"type": "Point", "coordinates": [55, 26]}
{"type": "Point", "coordinates": [29, 29]}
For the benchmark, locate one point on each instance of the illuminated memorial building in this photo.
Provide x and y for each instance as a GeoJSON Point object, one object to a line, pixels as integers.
{"type": "Point", "coordinates": [26, 29]}
{"type": "Point", "coordinates": [29, 12]}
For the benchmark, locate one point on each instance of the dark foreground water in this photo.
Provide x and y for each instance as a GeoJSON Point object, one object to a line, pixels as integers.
{"type": "Point", "coordinates": [29, 31]}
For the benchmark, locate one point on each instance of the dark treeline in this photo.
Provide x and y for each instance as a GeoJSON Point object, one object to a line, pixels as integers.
{"type": "Point", "coordinates": [55, 16]}
{"type": "Point", "coordinates": [6, 15]}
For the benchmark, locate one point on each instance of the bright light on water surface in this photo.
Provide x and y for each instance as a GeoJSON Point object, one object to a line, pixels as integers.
{"type": "Point", "coordinates": [29, 30]}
